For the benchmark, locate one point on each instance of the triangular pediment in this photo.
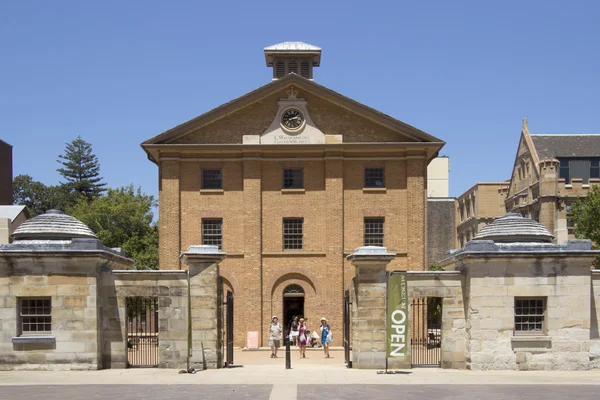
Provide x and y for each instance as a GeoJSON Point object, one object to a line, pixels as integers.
{"type": "Point", "coordinates": [331, 113]}
{"type": "Point", "coordinates": [525, 167]}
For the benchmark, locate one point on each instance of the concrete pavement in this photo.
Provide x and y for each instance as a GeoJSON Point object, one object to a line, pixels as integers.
{"type": "Point", "coordinates": [292, 392]}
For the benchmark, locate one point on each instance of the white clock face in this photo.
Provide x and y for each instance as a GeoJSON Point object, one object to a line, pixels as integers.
{"type": "Point", "coordinates": [292, 119]}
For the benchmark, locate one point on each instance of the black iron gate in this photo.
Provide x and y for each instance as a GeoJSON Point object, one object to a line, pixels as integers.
{"type": "Point", "coordinates": [426, 332]}
{"type": "Point", "coordinates": [229, 331]}
{"type": "Point", "coordinates": [142, 331]}
{"type": "Point", "coordinates": [347, 314]}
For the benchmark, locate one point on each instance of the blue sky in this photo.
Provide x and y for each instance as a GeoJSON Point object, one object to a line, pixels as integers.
{"type": "Point", "coordinates": [120, 72]}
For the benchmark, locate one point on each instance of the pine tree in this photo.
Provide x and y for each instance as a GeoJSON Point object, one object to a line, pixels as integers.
{"type": "Point", "coordinates": [81, 170]}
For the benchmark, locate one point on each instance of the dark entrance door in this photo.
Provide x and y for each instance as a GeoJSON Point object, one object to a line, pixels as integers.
{"type": "Point", "coordinates": [293, 305]}
{"type": "Point", "coordinates": [426, 332]}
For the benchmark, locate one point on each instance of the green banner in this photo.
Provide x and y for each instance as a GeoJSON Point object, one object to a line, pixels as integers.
{"type": "Point", "coordinates": [397, 316]}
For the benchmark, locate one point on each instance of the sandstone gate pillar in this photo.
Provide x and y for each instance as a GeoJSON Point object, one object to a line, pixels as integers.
{"type": "Point", "coordinates": [206, 306]}
{"type": "Point", "coordinates": [368, 331]}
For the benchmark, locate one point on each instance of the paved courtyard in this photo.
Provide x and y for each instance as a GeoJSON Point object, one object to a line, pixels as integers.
{"type": "Point", "coordinates": [290, 392]}
{"type": "Point", "coordinates": [256, 376]}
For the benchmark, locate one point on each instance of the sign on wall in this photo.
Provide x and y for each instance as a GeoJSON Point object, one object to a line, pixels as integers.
{"type": "Point", "coordinates": [397, 316]}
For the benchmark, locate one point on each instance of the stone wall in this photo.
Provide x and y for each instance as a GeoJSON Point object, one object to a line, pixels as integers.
{"type": "Point", "coordinates": [449, 286]}
{"type": "Point", "coordinates": [171, 289]}
{"type": "Point", "coordinates": [71, 284]}
{"type": "Point", "coordinates": [493, 285]}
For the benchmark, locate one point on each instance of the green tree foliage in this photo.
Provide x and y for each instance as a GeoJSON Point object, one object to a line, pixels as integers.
{"type": "Point", "coordinates": [81, 169]}
{"type": "Point", "coordinates": [38, 197]}
{"type": "Point", "coordinates": [123, 218]}
{"type": "Point", "coordinates": [436, 267]}
{"type": "Point", "coordinates": [585, 213]}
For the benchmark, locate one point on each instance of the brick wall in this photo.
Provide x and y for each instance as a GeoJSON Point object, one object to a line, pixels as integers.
{"type": "Point", "coordinates": [252, 205]}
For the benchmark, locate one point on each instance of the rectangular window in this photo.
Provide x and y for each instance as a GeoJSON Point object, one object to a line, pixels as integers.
{"type": "Point", "coordinates": [564, 170]}
{"type": "Point", "coordinates": [374, 231]}
{"type": "Point", "coordinates": [212, 232]}
{"type": "Point", "coordinates": [35, 314]}
{"type": "Point", "coordinates": [293, 178]}
{"type": "Point", "coordinates": [292, 233]}
{"type": "Point", "coordinates": [580, 169]}
{"type": "Point", "coordinates": [211, 179]}
{"type": "Point", "coordinates": [374, 178]}
{"type": "Point", "coordinates": [570, 222]}
{"type": "Point", "coordinates": [530, 314]}
{"type": "Point", "coordinates": [595, 169]}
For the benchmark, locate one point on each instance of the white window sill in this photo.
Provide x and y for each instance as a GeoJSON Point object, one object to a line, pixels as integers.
{"type": "Point", "coordinates": [34, 339]}
{"type": "Point", "coordinates": [298, 191]}
{"type": "Point", "coordinates": [374, 190]}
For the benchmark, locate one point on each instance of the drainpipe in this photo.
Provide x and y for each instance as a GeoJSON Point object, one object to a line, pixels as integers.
{"type": "Point", "coordinates": [189, 321]}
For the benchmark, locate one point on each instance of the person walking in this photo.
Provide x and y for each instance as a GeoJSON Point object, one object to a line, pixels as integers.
{"type": "Point", "coordinates": [294, 331]}
{"type": "Point", "coordinates": [326, 336]}
{"type": "Point", "coordinates": [275, 334]}
{"type": "Point", "coordinates": [302, 337]}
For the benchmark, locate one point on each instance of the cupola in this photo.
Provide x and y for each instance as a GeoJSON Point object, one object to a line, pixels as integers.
{"type": "Point", "coordinates": [53, 225]}
{"type": "Point", "coordinates": [293, 58]}
{"type": "Point", "coordinates": [514, 228]}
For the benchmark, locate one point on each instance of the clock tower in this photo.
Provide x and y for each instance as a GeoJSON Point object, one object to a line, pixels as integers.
{"type": "Point", "coordinates": [293, 58]}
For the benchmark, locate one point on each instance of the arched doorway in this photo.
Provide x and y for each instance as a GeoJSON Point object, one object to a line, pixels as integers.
{"type": "Point", "coordinates": [293, 303]}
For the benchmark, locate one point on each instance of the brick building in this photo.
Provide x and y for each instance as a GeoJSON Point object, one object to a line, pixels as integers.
{"type": "Point", "coordinates": [289, 179]}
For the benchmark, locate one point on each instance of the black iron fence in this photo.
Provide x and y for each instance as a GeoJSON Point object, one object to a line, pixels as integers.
{"type": "Point", "coordinates": [426, 332]}
{"type": "Point", "coordinates": [347, 314]}
{"type": "Point", "coordinates": [142, 331]}
{"type": "Point", "coordinates": [229, 330]}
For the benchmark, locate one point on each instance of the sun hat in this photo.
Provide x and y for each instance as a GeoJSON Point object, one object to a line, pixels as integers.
{"type": "Point", "coordinates": [323, 319]}
{"type": "Point", "coordinates": [274, 316]}
{"type": "Point", "coordinates": [301, 319]}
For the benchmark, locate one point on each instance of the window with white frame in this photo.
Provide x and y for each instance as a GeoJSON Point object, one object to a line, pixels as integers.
{"type": "Point", "coordinates": [292, 233]}
{"type": "Point", "coordinates": [212, 232]}
{"type": "Point", "coordinates": [373, 232]}
{"type": "Point", "coordinates": [35, 315]}
{"type": "Point", "coordinates": [530, 315]}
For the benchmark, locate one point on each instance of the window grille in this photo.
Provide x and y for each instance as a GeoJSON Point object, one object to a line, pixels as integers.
{"type": "Point", "coordinates": [279, 69]}
{"type": "Point", "coordinates": [373, 233]}
{"type": "Point", "coordinates": [292, 233]}
{"type": "Point", "coordinates": [292, 67]}
{"type": "Point", "coordinates": [293, 289]}
{"type": "Point", "coordinates": [211, 179]}
{"type": "Point", "coordinates": [212, 232]}
{"type": "Point", "coordinates": [305, 69]}
{"type": "Point", "coordinates": [374, 178]}
{"type": "Point", "coordinates": [35, 315]}
{"type": "Point", "coordinates": [293, 178]}
{"type": "Point", "coordinates": [529, 315]}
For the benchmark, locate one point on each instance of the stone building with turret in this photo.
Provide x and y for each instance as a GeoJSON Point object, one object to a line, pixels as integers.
{"type": "Point", "coordinates": [551, 172]}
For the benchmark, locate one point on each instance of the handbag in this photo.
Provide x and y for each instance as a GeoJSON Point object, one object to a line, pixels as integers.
{"type": "Point", "coordinates": [329, 337]}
